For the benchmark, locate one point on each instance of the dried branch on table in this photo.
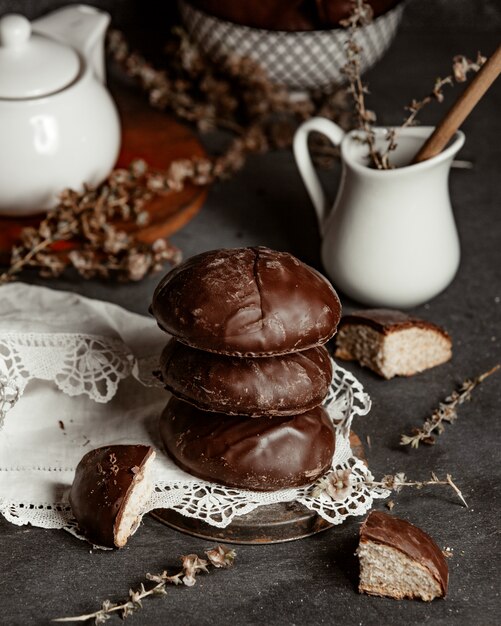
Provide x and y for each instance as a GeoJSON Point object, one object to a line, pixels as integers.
{"type": "Point", "coordinates": [219, 557]}
{"type": "Point", "coordinates": [93, 221]}
{"type": "Point", "coordinates": [339, 484]}
{"type": "Point", "coordinates": [446, 412]}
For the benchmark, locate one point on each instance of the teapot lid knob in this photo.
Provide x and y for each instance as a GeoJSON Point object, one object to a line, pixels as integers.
{"type": "Point", "coordinates": [15, 30]}
{"type": "Point", "coordinates": [32, 65]}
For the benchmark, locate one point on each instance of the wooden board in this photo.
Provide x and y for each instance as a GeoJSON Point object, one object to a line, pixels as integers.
{"type": "Point", "coordinates": [276, 523]}
{"type": "Point", "coordinates": [158, 139]}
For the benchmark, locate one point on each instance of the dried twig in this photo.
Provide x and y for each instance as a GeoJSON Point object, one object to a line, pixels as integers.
{"type": "Point", "coordinates": [93, 221]}
{"type": "Point", "coordinates": [446, 412]}
{"type": "Point", "coordinates": [461, 67]}
{"type": "Point", "coordinates": [361, 15]}
{"type": "Point", "coordinates": [192, 565]}
{"type": "Point", "coordinates": [395, 482]}
{"type": "Point", "coordinates": [339, 484]}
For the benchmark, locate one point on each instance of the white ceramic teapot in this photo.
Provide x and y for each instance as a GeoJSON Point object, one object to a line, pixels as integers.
{"type": "Point", "coordinates": [58, 124]}
{"type": "Point", "coordinates": [390, 239]}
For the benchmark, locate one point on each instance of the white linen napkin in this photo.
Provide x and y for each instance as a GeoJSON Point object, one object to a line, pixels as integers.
{"type": "Point", "coordinates": [83, 369]}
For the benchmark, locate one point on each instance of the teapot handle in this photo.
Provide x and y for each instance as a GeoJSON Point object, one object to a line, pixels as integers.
{"type": "Point", "coordinates": [305, 165]}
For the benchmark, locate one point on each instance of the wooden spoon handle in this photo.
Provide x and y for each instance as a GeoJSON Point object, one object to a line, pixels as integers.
{"type": "Point", "coordinates": [463, 106]}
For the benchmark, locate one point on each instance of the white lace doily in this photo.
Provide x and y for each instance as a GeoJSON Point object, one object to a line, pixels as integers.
{"type": "Point", "coordinates": [67, 355]}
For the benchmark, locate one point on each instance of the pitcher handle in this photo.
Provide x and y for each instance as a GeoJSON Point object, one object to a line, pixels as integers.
{"type": "Point", "coordinates": [305, 164]}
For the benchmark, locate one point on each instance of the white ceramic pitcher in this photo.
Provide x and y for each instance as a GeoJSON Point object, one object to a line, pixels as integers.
{"type": "Point", "coordinates": [390, 239]}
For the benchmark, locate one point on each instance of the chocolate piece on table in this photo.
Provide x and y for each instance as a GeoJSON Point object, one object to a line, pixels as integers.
{"type": "Point", "coordinates": [247, 302]}
{"type": "Point", "coordinates": [110, 489]}
{"type": "Point", "coordinates": [392, 343]}
{"type": "Point", "coordinates": [399, 560]}
{"type": "Point", "coordinates": [257, 453]}
{"type": "Point", "coordinates": [277, 385]}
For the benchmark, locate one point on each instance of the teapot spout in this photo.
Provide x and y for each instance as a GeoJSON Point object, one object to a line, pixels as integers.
{"type": "Point", "coordinates": [80, 26]}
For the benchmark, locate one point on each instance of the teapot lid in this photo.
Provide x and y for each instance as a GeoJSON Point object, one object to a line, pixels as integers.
{"type": "Point", "coordinates": [32, 65]}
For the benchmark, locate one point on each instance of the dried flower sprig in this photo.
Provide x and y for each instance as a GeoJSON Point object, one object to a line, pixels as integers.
{"type": "Point", "coordinates": [360, 16]}
{"type": "Point", "coordinates": [219, 557]}
{"type": "Point", "coordinates": [9, 395]}
{"type": "Point", "coordinates": [395, 482]}
{"type": "Point", "coordinates": [461, 67]}
{"type": "Point", "coordinates": [339, 484]}
{"type": "Point", "coordinates": [93, 221]}
{"type": "Point", "coordinates": [446, 412]}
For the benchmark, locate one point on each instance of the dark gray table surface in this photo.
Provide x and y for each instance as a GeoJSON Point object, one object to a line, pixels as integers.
{"type": "Point", "coordinates": [45, 574]}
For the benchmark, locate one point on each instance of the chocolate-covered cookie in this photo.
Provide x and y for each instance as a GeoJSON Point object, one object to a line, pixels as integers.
{"type": "Point", "coordinates": [399, 560]}
{"type": "Point", "coordinates": [392, 343]}
{"type": "Point", "coordinates": [260, 453]}
{"type": "Point", "coordinates": [247, 302]}
{"type": "Point", "coordinates": [277, 385]}
{"type": "Point", "coordinates": [110, 489]}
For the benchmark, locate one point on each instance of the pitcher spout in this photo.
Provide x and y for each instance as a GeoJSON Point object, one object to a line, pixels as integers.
{"type": "Point", "coordinates": [354, 152]}
{"type": "Point", "coordinates": [82, 27]}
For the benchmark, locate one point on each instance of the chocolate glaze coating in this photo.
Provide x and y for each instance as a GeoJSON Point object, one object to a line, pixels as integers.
{"type": "Point", "coordinates": [247, 302]}
{"type": "Point", "coordinates": [260, 453]}
{"type": "Point", "coordinates": [287, 15]}
{"type": "Point", "coordinates": [100, 488]}
{"type": "Point", "coordinates": [276, 385]}
{"type": "Point", "coordinates": [396, 533]}
{"type": "Point", "coordinates": [387, 321]}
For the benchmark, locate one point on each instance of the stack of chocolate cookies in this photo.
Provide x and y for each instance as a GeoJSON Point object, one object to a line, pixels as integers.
{"type": "Point", "coordinates": [247, 368]}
